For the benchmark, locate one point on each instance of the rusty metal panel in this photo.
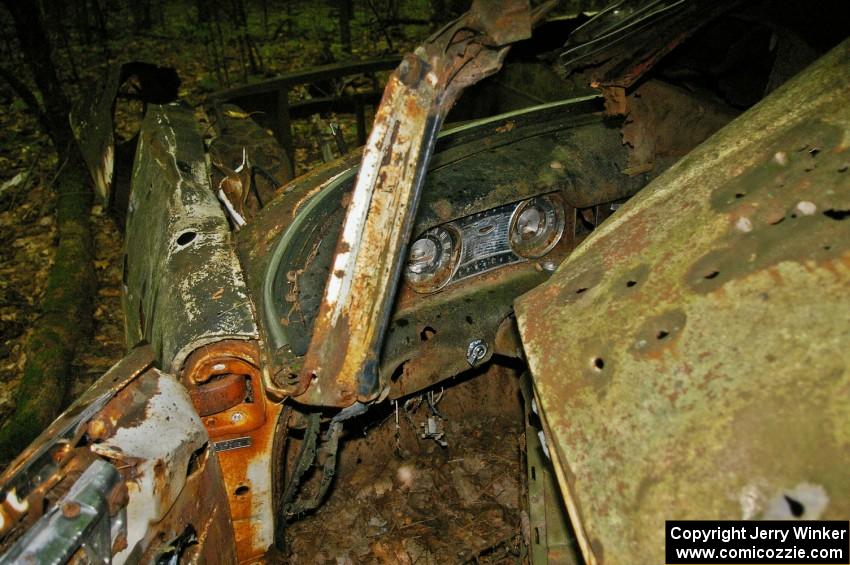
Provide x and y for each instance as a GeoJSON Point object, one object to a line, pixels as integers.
{"type": "Point", "coordinates": [341, 362]}
{"type": "Point", "coordinates": [91, 118]}
{"type": "Point", "coordinates": [691, 357]}
{"type": "Point", "coordinates": [184, 286]}
{"type": "Point", "coordinates": [164, 475]}
{"type": "Point", "coordinates": [226, 388]}
{"type": "Point", "coordinates": [130, 468]}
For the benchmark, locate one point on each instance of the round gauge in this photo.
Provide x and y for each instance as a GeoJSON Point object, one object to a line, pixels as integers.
{"type": "Point", "coordinates": [537, 225]}
{"type": "Point", "coordinates": [432, 259]}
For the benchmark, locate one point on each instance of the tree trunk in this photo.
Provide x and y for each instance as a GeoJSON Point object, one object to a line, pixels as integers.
{"type": "Point", "coordinates": [345, 13]}
{"type": "Point", "coordinates": [38, 53]}
{"type": "Point", "coordinates": [66, 320]}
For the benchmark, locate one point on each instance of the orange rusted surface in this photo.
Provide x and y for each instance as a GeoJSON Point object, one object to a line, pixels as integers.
{"type": "Point", "coordinates": [248, 482]}
{"type": "Point", "coordinates": [215, 375]}
{"type": "Point", "coordinates": [226, 375]}
{"type": "Point", "coordinates": [219, 394]}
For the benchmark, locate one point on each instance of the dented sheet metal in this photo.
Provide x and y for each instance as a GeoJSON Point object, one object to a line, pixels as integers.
{"type": "Point", "coordinates": [174, 481]}
{"type": "Point", "coordinates": [184, 287]}
{"type": "Point", "coordinates": [341, 362]}
{"type": "Point", "coordinates": [691, 358]}
{"type": "Point", "coordinates": [127, 474]}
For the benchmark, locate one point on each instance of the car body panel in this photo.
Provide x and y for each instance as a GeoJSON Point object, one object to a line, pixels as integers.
{"type": "Point", "coordinates": [690, 358]}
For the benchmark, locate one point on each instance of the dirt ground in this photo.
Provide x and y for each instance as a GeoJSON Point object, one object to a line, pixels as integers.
{"type": "Point", "coordinates": [399, 498]}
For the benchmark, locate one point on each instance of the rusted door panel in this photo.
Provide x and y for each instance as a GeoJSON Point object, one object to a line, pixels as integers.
{"type": "Point", "coordinates": [691, 357]}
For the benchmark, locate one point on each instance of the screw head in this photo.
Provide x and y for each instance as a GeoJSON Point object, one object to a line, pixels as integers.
{"type": "Point", "coordinates": [476, 351]}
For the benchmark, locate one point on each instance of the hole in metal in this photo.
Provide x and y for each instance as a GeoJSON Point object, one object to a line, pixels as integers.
{"type": "Point", "coordinates": [834, 214]}
{"type": "Point", "coordinates": [795, 506]}
{"type": "Point", "coordinates": [427, 333]}
{"type": "Point", "coordinates": [186, 238]}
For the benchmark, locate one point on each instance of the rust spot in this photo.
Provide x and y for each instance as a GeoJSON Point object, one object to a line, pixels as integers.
{"type": "Point", "coordinates": [219, 393]}
{"type": "Point", "coordinates": [118, 497]}
{"type": "Point", "coordinates": [410, 70]}
{"type": "Point", "coordinates": [120, 543]}
{"type": "Point", "coordinates": [99, 429]}
{"type": "Point", "coordinates": [659, 333]}
{"type": "Point", "coordinates": [71, 509]}
{"type": "Point", "coordinates": [598, 550]}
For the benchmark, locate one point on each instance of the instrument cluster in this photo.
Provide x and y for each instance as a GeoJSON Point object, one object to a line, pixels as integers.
{"type": "Point", "coordinates": [481, 242]}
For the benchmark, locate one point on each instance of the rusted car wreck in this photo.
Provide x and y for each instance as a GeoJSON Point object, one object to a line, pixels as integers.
{"type": "Point", "coordinates": [661, 273]}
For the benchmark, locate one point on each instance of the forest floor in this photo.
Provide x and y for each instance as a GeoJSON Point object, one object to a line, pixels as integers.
{"type": "Point", "coordinates": [402, 498]}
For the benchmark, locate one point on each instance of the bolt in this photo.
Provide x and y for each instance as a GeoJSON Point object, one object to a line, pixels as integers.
{"type": "Point", "coordinates": [549, 266]}
{"type": "Point", "coordinates": [476, 351]}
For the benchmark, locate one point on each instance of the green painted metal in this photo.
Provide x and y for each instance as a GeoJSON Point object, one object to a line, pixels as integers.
{"type": "Point", "coordinates": [691, 357]}
{"type": "Point", "coordinates": [550, 535]}
{"type": "Point", "coordinates": [184, 286]}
